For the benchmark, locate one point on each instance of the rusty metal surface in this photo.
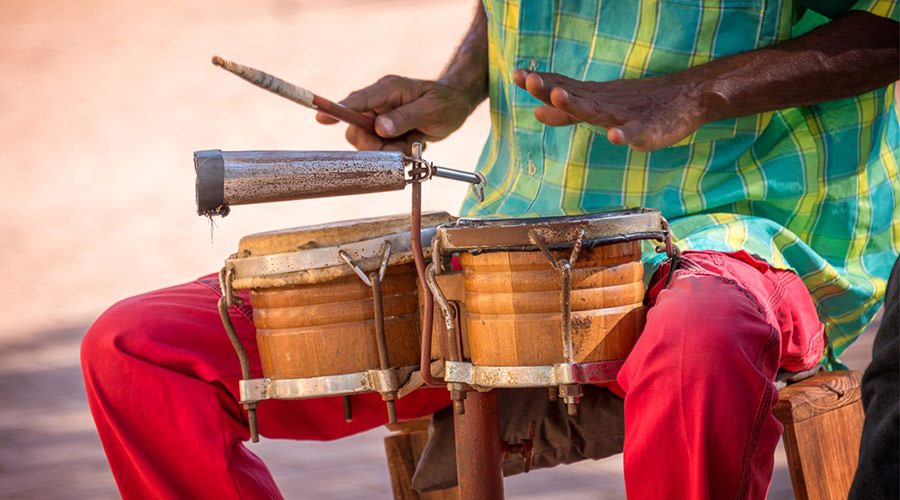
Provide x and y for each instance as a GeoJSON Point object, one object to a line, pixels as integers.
{"type": "Point", "coordinates": [266, 176]}
{"type": "Point", "coordinates": [479, 449]}
{"type": "Point", "coordinates": [556, 232]}
{"type": "Point", "coordinates": [383, 381]}
{"type": "Point", "coordinates": [319, 264]}
{"type": "Point", "coordinates": [383, 361]}
{"type": "Point", "coordinates": [560, 374]}
{"type": "Point", "coordinates": [419, 258]}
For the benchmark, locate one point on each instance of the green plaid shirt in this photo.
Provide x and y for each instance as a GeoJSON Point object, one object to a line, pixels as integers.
{"type": "Point", "coordinates": [813, 189]}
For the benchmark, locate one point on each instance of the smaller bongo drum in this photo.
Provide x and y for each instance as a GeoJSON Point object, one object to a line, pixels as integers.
{"type": "Point", "coordinates": [335, 307]}
{"type": "Point", "coordinates": [554, 301]}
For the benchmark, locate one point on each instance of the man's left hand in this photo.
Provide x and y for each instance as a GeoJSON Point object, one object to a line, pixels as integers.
{"type": "Point", "coordinates": [646, 114]}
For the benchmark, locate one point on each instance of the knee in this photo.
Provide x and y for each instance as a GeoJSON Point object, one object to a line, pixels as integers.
{"type": "Point", "coordinates": [708, 322]}
{"type": "Point", "coordinates": [102, 343]}
{"type": "Point", "coordinates": [705, 330]}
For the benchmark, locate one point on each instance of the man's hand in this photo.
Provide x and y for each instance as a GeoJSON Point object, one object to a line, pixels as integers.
{"type": "Point", "coordinates": [408, 110]}
{"type": "Point", "coordinates": [646, 114]}
{"type": "Point", "coordinates": [405, 111]}
{"type": "Point", "coordinates": [853, 54]}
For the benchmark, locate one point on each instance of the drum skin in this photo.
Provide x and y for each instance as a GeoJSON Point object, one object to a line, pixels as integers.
{"type": "Point", "coordinates": [514, 305]}
{"type": "Point", "coordinates": [328, 328]}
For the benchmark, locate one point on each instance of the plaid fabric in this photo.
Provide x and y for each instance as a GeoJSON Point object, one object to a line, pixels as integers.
{"type": "Point", "coordinates": [813, 189]}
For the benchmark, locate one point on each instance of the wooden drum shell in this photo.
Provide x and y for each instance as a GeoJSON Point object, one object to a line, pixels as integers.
{"type": "Point", "coordinates": [514, 305]}
{"type": "Point", "coordinates": [328, 328]}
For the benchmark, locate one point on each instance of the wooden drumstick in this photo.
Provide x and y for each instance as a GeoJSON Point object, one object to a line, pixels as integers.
{"type": "Point", "coordinates": [297, 94]}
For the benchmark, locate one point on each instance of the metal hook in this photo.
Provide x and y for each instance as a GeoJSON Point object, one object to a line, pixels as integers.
{"type": "Point", "coordinates": [478, 188]}
{"type": "Point", "coordinates": [536, 238]}
{"type": "Point", "coordinates": [385, 257]}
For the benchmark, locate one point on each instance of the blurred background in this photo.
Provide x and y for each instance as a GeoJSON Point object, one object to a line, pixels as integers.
{"type": "Point", "coordinates": [101, 105]}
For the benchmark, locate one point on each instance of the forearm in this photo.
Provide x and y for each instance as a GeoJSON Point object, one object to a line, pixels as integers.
{"type": "Point", "coordinates": [468, 68]}
{"type": "Point", "coordinates": [851, 55]}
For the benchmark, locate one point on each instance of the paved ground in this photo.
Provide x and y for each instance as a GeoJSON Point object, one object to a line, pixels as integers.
{"type": "Point", "coordinates": [52, 452]}
{"type": "Point", "coordinates": [101, 105]}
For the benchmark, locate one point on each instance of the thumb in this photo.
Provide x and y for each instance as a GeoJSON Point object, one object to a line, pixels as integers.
{"type": "Point", "coordinates": [402, 119]}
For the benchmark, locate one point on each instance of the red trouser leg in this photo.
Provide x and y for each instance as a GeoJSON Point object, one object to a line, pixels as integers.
{"type": "Point", "coordinates": [161, 379]}
{"type": "Point", "coordinates": [698, 384]}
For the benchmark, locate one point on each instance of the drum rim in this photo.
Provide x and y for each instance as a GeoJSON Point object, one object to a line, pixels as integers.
{"type": "Point", "coordinates": [476, 235]}
{"type": "Point", "coordinates": [322, 264]}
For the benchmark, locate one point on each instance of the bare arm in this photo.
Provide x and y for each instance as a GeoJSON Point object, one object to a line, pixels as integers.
{"type": "Point", "coordinates": [408, 110]}
{"type": "Point", "coordinates": [855, 53]}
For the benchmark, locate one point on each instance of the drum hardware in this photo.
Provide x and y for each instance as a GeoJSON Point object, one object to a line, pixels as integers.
{"type": "Point", "coordinates": [419, 174]}
{"type": "Point", "coordinates": [373, 281]}
{"type": "Point", "coordinates": [381, 381]}
{"type": "Point", "coordinates": [673, 252]}
{"type": "Point", "coordinates": [571, 393]}
{"type": "Point", "coordinates": [452, 342]}
{"type": "Point", "coordinates": [226, 301]}
{"type": "Point", "coordinates": [542, 235]}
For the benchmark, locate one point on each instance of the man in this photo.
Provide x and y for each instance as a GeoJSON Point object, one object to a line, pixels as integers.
{"type": "Point", "coordinates": [736, 118]}
{"type": "Point", "coordinates": [878, 472]}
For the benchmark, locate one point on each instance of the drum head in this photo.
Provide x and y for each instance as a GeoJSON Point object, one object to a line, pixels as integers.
{"type": "Point", "coordinates": [556, 232]}
{"type": "Point", "coordinates": [311, 254]}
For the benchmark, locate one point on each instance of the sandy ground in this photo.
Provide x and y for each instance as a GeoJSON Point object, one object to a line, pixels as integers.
{"type": "Point", "coordinates": [104, 102]}
{"type": "Point", "coordinates": [101, 105]}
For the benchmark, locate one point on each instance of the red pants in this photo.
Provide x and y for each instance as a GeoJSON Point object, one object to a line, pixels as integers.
{"type": "Point", "coordinates": [161, 379]}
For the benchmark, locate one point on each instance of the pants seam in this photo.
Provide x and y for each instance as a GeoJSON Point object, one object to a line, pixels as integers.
{"type": "Point", "coordinates": [761, 415]}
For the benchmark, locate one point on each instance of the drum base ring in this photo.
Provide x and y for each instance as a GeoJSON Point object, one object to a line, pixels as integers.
{"type": "Point", "coordinates": [381, 381]}
{"type": "Point", "coordinates": [559, 374]}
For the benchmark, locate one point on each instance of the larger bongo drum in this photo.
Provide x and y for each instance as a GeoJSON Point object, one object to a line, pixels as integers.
{"type": "Point", "coordinates": [550, 301]}
{"type": "Point", "coordinates": [335, 306]}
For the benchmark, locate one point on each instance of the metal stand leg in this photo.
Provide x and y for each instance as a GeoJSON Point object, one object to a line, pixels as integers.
{"type": "Point", "coordinates": [479, 450]}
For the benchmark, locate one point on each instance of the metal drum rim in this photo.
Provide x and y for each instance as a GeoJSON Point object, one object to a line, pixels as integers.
{"type": "Point", "coordinates": [513, 234]}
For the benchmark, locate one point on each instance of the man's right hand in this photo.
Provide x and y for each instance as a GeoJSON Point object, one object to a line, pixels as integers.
{"type": "Point", "coordinates": [406, 111]}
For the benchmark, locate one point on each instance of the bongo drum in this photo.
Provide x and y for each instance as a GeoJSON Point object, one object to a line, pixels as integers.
{"type": "Point", "coordinates": [554, 301]}
{"type": "Point", "coordinates": [335, 306]}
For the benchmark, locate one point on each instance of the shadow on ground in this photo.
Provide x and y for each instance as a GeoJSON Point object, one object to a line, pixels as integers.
{"type": "Point", "coordinates": [52, 451]}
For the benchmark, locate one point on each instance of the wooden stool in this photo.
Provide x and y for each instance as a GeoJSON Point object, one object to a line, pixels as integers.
{"type": "Point", "coordinates": [403, 449]}
{"type": "Point", "coordinates": [822, 418]}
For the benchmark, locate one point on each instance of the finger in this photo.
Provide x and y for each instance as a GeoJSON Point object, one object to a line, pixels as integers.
{"type": "Point", "coordinates": [633, 133]}
{"type": "Point", "coordinates": [553, 116]}
{"type": "Point", "coordinates": [581, 109]}
{"type": "Point", "coordinates": [519, 77]}
{"type": "Point", "coordinates": [402, 119]}
{"type": "Point", "coordinates": [534, 84]}
{"type": "Point", "coordinates": [325, 119]}
{"type": "Point", "coordinates": [388, 92]}
{"type": "Point", "coordinates": [400, 146]}
{"type": "Point", "coordinates": [550, 81]}
{"type": "Point", "coordinates": [362, 140]}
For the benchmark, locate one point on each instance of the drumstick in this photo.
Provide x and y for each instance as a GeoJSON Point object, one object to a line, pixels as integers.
{"type": "Point", "coordinates": [297, 94]}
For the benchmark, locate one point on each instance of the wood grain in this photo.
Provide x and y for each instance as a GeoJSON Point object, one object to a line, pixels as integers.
{"type": "Point", "coordinates": [403, 450]}
{"type": "Point", "coordinates": [514, 306]}
{"type": "Point", "coordinates": [822, 430]}
{"type": "Point", "coordinates": [329, 328]}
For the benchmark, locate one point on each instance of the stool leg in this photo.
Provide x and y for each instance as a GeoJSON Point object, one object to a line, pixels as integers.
{"type": "Point", "coordinates": [403, 450]}
{"type": "Point", "coordinates": [822, 418]}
